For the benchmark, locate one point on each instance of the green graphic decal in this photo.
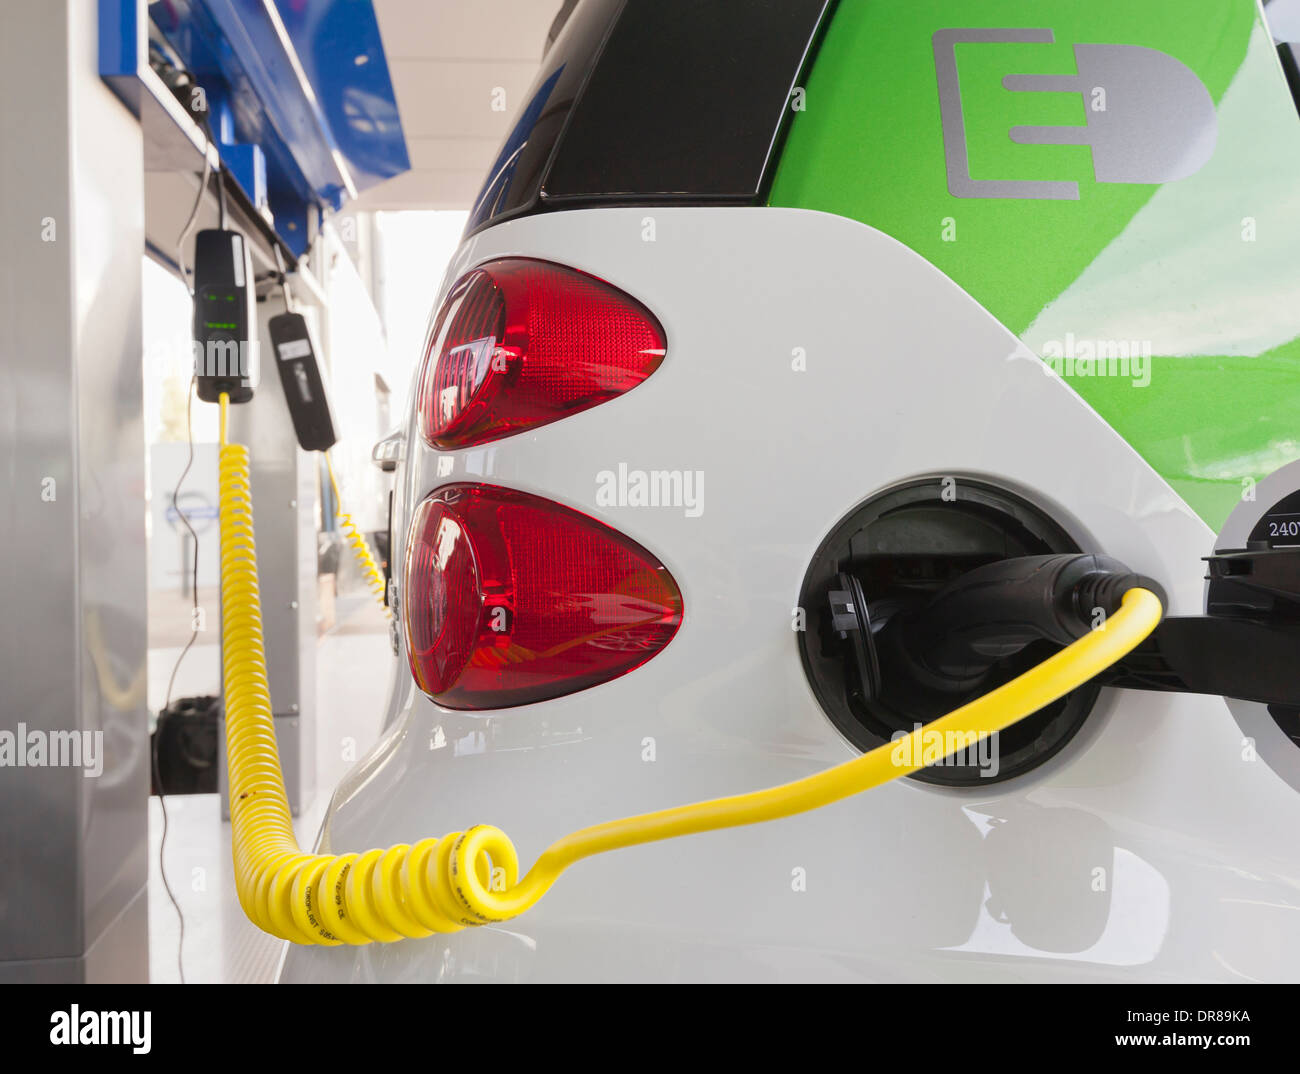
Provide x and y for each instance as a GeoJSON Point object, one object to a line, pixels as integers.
{"type": "Point", "coordinates": [1118, 177]}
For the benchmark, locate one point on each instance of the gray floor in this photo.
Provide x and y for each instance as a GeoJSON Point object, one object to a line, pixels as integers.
{"type": "Point", "coordinates": [221, 945]}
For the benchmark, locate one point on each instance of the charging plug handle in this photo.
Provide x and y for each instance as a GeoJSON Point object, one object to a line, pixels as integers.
{"type": "Point", "coordinates": [995, 611]}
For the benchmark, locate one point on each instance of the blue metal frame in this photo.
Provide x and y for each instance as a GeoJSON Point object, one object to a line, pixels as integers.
{"type": "Point", "coordinates": [123, 48]}
{"type": "Point", "coordinates": [299, 94]}
{"type": "Point", "coordinates": [341, 52]}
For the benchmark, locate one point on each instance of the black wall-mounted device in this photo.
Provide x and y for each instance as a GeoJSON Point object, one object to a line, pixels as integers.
{"type": "Point", "coordinates": [225, 328]}
{"type": "Point", "coordinates": [304, 385]}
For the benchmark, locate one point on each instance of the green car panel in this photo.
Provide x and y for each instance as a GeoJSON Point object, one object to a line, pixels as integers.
{"type": "Point", "coordinates": [1196, 277]}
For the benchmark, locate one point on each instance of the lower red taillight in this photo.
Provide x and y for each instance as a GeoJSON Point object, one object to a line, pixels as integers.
{"type": "Point", "coordinates": [510, 598]}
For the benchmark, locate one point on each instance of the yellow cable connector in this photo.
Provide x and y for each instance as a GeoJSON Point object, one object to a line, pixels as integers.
{"type": "Point", "coordinates": [365, 558]}
{"type": "Point", "coordinates": [443, 885]}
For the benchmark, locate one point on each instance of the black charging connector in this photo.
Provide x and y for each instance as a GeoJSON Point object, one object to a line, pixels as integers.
{"type": "Point", "coordinates": [995, 611]}
{"type": "Point", "coordinates": [303, 382]}
{"type": "Point", "coordinates": [954, 644]}
{"type": "Point", "coordinates": [911, 547]}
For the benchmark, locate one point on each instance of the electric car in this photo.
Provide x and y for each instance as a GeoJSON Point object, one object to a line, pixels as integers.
{"type": "Point", "coordinates": [772, 322]}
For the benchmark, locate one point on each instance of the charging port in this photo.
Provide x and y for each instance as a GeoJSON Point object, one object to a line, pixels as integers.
{"type": "Point", "coordinates": [879, 568]}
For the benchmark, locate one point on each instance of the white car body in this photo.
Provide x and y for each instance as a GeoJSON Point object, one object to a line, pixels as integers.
{"type": "Point", "coordinates": [813, 362]}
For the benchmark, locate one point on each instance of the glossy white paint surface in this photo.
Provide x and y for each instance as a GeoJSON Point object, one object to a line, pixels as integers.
{"type": "Point", "coordinates": [1147, 849]}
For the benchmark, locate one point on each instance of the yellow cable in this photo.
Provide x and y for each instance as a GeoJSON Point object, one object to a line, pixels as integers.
{"type": "Point", "coordinates": [365, 558]}
{"type": "Point", "coordinates": [443, 885]}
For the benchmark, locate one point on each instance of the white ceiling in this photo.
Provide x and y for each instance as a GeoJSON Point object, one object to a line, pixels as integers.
{"type": "Point", "coordinates": [446, 58]}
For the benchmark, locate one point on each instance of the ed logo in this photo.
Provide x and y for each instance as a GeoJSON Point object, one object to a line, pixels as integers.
{"type": "Point", "coordinates": [1149, 117]}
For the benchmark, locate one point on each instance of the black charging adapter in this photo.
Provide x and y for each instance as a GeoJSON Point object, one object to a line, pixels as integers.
{"type": "Point", "coordinates": [225, 338]}
{"type": "Point", "coordinates": [303, 382]}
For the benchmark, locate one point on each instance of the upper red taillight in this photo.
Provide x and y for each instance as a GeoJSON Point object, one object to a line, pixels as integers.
{"type": "Point", "coordinates": [520, 343]}
{"type": "Point", "coordinates": [511, 599]}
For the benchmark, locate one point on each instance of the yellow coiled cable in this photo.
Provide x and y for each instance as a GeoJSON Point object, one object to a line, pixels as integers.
{"type": "Point", "coordinates": [443, 885]}
{"type": "Point", "coordinates": [365, 558]}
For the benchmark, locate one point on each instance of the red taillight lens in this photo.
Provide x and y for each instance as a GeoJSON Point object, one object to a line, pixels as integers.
{"type": "Point", "coordinates": [520, 343]}
{"type": "Point", "coordinates": [511, 599]}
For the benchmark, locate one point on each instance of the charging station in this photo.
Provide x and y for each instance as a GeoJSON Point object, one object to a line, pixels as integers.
{"type": "Point", "coordinates": [233, 116]}
{"type": "Point", "coordinates": [824, 504]}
